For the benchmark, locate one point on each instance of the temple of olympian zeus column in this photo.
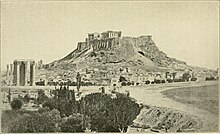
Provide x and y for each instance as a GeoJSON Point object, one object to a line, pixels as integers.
{"type": "Point", "coordinates": [24, 73]}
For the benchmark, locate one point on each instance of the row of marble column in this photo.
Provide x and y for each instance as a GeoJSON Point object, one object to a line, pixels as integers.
{"type": "Point", "coordinates": [24, 71]}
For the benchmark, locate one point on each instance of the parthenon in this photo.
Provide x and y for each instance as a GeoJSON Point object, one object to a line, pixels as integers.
{"type": "Point", "coordinates": [24, 72]}
{"type": "Point", "coordinates": [97, 41]}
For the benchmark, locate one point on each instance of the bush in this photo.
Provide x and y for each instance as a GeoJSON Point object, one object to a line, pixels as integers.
{"type": "Point", "coordinates": [75, 123]}
{"type": "Point", "coordinates": [63, 101]}
{"type": "Point", "coordinates": [16, 104]}
{"type": "Point", "coordinates": [147, 82]}
{"type": "Point", "coordinates": [177, 80]}
{"type": "Point", "coordinates": [128, 83]}
{"type": "Point", "coordinates": [36, 122]}
{"type": "Point", "coordinates": [42, 110]}
{"type": "Point", "coordinates": [163, 81]}
{"type": "Point", "coordinates": [121, 79]}
{"type": "Point", "coordinates": [51, 104]}
{"type": "Point", "coordinates": [186, 76]}
{"type": "Point", "coordinates": [193, 79]}
{"type": "Point", "coordinates": [26, 98]}
{"type": "Point", "coordinates": [123, 83]}
{"type": "Point", "coordinates": [157, 81]}
{"type": "Point", "coordinates": [41, 97]}
{"type": "Point", "coordinates": [210, 78]}
{"type": "Point", "coordinates": [170, 80]}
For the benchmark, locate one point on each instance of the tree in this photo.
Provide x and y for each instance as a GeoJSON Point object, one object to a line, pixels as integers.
{"type": "Point", "coordinates": [123, 83]}
{"type": "Point", "coordinates": [63, 101]}
{"type": "Point", "coordinates": [75, 123]}
{"type": "Point", "coordinates": [147, 82]}
{"type": "Point", "coordinates": [16, 104]}
{"type": "Point", "coordinates": [124, 111]}
{"type": "Point", "coordinates": [109, 114]}
{"type": "Point", "coordinates": [37, 122]}
{"type": "Point", "coordinates": [121, 79]}
{"type": "Point", "coordinates": [186, 76]}
{"type": "Point", "coordinates": [26, 98]}
{"type": "Point", "coordinates": [41, 96]}
{"type": "Point", "coordinates": [78, 81]}
{"type": "Point", "coordinates": [51, 104]}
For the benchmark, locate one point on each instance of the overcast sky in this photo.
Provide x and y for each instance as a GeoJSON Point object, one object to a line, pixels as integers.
{"type": "Point", "coordinates": [49, 31]}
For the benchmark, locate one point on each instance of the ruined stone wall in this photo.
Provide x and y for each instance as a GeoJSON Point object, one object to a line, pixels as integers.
{"type": "Point", "coordinates": [105, 44]}
{"type": "Point", "coordinates": [82, 46]}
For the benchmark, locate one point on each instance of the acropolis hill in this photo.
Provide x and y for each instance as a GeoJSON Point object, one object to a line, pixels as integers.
{"type": "Point", "coordinates": [118, 48]}
{"type": "Point", "coordinates": [109, 52]}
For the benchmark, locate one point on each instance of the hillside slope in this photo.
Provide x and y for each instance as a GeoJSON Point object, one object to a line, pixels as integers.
{"type": "Point", "coordinates": [140, 52]}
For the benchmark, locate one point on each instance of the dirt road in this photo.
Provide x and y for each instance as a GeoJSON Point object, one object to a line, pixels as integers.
{"type": "Point", "coordinates": [151, 95]}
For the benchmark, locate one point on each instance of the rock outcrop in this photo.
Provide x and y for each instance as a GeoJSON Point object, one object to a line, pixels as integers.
{"type": "Point", "coordinates": [109, 49]}
{"type": "Point", "coordinates": [123, 48]}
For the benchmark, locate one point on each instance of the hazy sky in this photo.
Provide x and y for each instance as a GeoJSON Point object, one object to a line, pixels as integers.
{"type": "Point", "coordinates": [49, 31]}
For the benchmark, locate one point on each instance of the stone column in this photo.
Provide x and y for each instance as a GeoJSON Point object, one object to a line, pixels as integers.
{"type": "Point", "coordinates": [32, 73]}
{"type": "Point", "coordinates": [17, 74]}
{"type": "Point", "coordinates": [11, 69]}
{"type": "Point", "coordinates": [7, 73]}
{"type": "Point", "coordinates": [25, 73]}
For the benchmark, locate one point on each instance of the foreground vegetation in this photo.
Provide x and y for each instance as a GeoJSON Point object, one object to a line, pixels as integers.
{"type": "Point", "coordinates": [97, 112]}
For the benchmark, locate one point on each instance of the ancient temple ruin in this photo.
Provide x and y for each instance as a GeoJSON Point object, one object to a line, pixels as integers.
{"type": "Point", "coordinates": [24, 73]}
{"type": "Point", "coordinates": [104, 41]}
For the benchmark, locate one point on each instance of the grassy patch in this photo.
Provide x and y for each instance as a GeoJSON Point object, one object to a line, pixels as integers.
{"type": "Point", "coordinates": [204, 97]}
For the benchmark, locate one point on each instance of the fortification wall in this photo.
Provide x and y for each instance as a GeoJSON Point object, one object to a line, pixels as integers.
{"type": "Point", "coordinates": [82, 46]}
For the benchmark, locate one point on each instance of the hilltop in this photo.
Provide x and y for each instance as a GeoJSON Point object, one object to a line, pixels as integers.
{"type": "Point", "coordinates": [134, 51]}
{"type": "Point", "coordinates": [109, 53]}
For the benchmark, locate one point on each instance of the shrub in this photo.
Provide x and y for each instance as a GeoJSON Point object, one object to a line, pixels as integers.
{"type": "Point", "coordinates": [26, 98]}
{"type": "Point", "coordinates": [132, 83]}
{"type": "Point", "coordinates": [193, 79]}
{"type": "Point", "coordinates": [9, 116]}
{"type": "Point", "coordinates": [75, 123]}
{"type": "Point", "coordinates": [63, 101]}
{"type": "Point", "coordinates": [163, 81]}
{"type": "Point", "coordinates": [51, 104]}
{"type": "Point", "coordinates": [129, 83]}
{"type": "Point", "coordinates": [157, 81]}
{"type": "Point", "coordinates": [210, 78]}
{"type": "Point", "coordinates": [186, 76]}
{"type": "Point", "coordinates": [121, 79]}
{"type": "Point", "coordinates": [36, 122]}
{"type": "Point", "coordinates": [147, 82]}
{"type": "Point", "coordinates": [16, 104]}
{"type": "Point", "coordinates": [176, 80]}
{"type": "Point", "coordinates": [123, 83]}
{"type": "Point", "coordinates": [41, 96]}
{"type": "Point", "coordinates": [42, 110]}
{"type": "Point", "coordinates": [170, 80]}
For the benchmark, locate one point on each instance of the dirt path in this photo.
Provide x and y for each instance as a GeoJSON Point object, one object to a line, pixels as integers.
{"type": "Point", "coordinates": [151, 95]}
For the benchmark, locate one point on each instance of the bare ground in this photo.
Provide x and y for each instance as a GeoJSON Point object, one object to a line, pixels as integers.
{"type": "Point", "coordinates": [151, 95]}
